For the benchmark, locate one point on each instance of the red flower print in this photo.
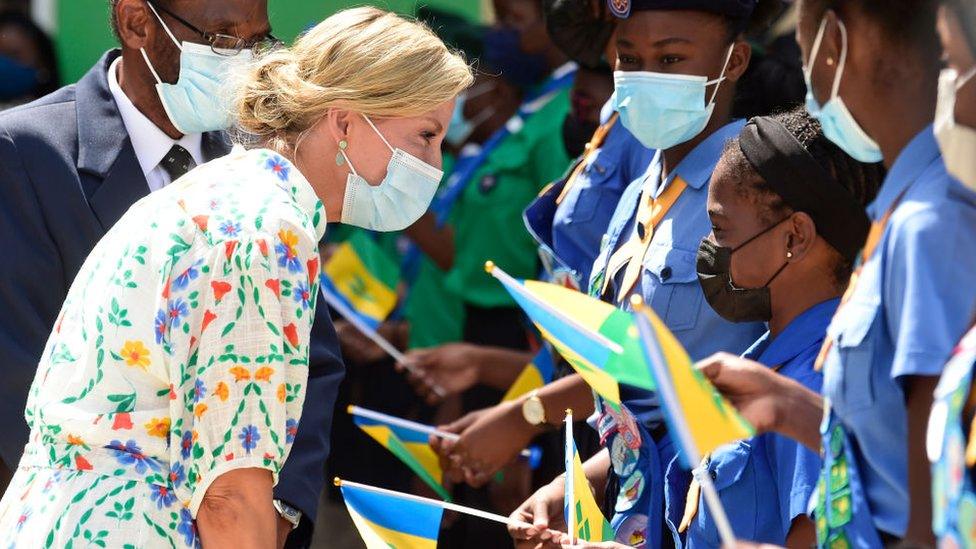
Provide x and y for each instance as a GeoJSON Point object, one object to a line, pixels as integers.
{"type": "Point", "coordinates": [274, 285]}
{"type": "Point", "coordinates": [263, 246]}
{"type": "Point", "coordinates": [166, 290]}
{"type": "Point", "coordinates": [208, 317]}
{"type": "Point", "coordinates": [229, 456]}
{"type": "Point", "coordinates": [122, 421]}
{"type": "Point", "coordinates": [291, 332]}
{"type": "Point", "coordinates": [57, 328]}
{"type": "Point", "coordinates": [172, 393]}
{"type": "Point", "coordinates": [313, 269]}
{"type": "Point", "coordinates": [201, 221]}
{"type": "Point", "coordinates": [220, 289]}
{"type": "Point", "coordinates": [229, 247]}
{"type": "Point", "coordinates": [82, 464]}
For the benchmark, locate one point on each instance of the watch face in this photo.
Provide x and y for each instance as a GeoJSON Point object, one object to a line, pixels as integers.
{"type": "Point", "coordinates": [533, 411]}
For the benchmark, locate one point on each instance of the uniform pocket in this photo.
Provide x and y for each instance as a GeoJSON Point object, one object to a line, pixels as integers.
{"type": "Point", "coordinates": [589, 195]}
{"type": "Point", "coordinates": [856, 351]}
{"type": "Point", "coordinates": [677, 298]}
{"type": "Point", "coordinates": [731, 470]}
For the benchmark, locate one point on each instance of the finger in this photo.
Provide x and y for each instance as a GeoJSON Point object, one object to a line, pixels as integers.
{"type": "Point", "coordinates": [540, 514]}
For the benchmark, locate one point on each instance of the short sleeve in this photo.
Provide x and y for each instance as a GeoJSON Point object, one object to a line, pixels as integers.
{"type": "Point", "coordinates": [237, 402]}
{"type": "Point", "coordinates": [795, 470]}
{"type": "Point", "coordinates": [932, 256]}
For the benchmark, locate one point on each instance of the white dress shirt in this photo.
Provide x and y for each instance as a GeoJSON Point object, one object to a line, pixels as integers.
{"type": "Point", "coordinates": [150, 143]}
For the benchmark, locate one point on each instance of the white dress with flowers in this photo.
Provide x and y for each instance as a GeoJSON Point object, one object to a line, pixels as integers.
{"type": "Point", "coordinates": [181, 353]}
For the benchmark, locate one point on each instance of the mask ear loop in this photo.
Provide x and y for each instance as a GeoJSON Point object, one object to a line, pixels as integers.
{"type": "Point", "coordinates": [721, 77]}
{"type": "Point", "coordinates": [964, 79]}
{"type": "Point", "coordinates": [835, 91]}
{"type": "Point", "coordinates": [371, 125]}
{"type": "Point", "coordinates": [145, 56]}
{"type": "Point", "coordinates": [816, 49]}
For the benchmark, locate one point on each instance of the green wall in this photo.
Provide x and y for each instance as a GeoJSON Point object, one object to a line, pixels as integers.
{"type": "Point", "coordinates": [84, 34]}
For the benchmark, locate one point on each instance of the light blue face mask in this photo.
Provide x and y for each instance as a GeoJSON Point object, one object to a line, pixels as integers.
{"type": "Point", "coordinates": [200, 100]}
{"type": "Point", "coordinates": [460, 128]}
{"type": "Point", "coordinates": [838, 123]}
{"type": "Point", "coordinates": [398, 201]}
{"type": "Point", "coordinates": [663, 110]}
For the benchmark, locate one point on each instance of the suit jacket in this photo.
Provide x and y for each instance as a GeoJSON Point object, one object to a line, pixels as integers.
{"type": "Point", "coordinates": [67, 173]}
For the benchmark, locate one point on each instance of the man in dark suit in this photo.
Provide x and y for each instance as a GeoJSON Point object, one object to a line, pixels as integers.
{"type": "Point", "coordinates": [73, 162]}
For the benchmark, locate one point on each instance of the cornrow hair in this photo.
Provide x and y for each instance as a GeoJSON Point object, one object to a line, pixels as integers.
{"type": "Point", "coordinates": [861, 179]}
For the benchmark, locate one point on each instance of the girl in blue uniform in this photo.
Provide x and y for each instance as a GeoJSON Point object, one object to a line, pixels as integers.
{"type": "Point", "coordinates": [787, 212]}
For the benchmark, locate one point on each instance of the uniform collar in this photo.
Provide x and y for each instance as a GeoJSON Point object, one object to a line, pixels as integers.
{"type": "Point", "coordinates": [286, 176]}
{"type": "Point", "coordinates": [696, 168]}
{"type": "Point", "coordinates": [914, 159]}
{"type": "Point", "coordinates": [805, 331]}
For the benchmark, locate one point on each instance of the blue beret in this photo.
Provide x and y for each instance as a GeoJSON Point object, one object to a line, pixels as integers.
{"type": "Point", "coordinates": [739, 10]}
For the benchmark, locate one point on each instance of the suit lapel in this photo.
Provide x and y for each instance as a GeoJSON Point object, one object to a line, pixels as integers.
{"type": "Point", "coordinates": [104, 150]}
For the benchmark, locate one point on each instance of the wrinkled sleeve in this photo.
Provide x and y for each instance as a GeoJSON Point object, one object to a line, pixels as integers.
{"type": "Point", "coordinates": [795, 468]}
{"type": "Point", "coordinates": [237, 402]}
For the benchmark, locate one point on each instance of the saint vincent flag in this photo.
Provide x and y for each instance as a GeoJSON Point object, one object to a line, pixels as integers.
{"type": "Point", "coordinates": [696, 413]}
{"type": "Point", "coordinates": [364, 277]}
{"type": "Point", "coordinates": [535, 375]}
{"type": "Point", "coordinates": [590, 523]}
{"type": "Point", "coordinates": [385, 522]}
{"type": "Point", "coordinates": [596, 338]}
{"type": "Point", "coordinates": [412, 447]}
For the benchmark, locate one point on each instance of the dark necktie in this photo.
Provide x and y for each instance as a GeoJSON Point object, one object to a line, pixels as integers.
{"type": "Point", "coordinates": [177, 162]}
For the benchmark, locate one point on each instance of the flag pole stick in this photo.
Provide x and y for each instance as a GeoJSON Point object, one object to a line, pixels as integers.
{"type": "Point", "coordinates": [374, 336]}
{"type": "Point", "coordinates": [516, 286]}
{"type": "Point", "coordinates": [679, 424]}
{"type": "Point", "coordinates": [409, 425]}
{"type": "Point", "coordinates": [442, 504]}
{"type": "Point", "coordinates": [570, 481]}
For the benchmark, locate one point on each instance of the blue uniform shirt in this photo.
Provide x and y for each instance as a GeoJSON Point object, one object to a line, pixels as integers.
{"type": "Point", "coordinates": [913, 301]}
{"type": "Point", "coordinates": [574, 231]}
{"type": "Point", "coordinates": [765, 482]}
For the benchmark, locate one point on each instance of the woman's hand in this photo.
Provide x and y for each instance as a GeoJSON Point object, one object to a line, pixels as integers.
{"type": "Point", "coordinates": [544, 511]}
{"type": "Point", "coordinates": [490, 439]}
{"type": "Point", "coordinates": [454, 368]}
{"type": "Point", "coordinates": [769, 401]}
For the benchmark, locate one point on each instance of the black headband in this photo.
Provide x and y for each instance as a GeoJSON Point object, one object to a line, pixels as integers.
{"type": "Point", "coordinates": [805, 185]}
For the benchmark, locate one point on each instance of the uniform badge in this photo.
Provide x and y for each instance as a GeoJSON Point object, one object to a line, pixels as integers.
{"type": "Point", "coordinates": [632, 532]}
{"type": "Point", "coordinates": [619, 8]}
{"type": "Point", "coordinates": [630, 492]}
{"type": "Point", "coordinates": [624, 459]}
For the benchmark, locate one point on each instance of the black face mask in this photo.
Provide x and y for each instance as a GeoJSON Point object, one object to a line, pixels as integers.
{"type": "Point", "coordinates": [576, 134]}
{"type": "Point", "coordinates": [714, 268]}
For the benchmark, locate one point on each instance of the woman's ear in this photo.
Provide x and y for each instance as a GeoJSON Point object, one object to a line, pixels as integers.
{"type": "Point", "coordinates": [739, 60]}
{"type": "Point", "coordinates": [802, 235]}
{"type": "Point", "coordinates": [337, 121]}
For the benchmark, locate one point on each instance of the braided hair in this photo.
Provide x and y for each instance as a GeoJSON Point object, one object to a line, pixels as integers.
{"type": "Point", "coordinates": [861, 179]}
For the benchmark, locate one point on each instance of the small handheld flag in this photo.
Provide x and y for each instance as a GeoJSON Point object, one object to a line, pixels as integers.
{"type": "Point", "coordinates": [364, 277]}
{"type": "Point", "coordinates": [583, 517]}
{"type": "Point", "coordinates": [387, 519]}
{"type": "Point", "coordinates": [534, 376]}
{"type": "Point", "coordinates": [597, 339]}
{"type": "Point", "coordinates": [698, 418]}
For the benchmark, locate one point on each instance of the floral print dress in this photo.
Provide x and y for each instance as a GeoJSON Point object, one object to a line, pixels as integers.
{"type": "Point", "coordinates": [181, 353]}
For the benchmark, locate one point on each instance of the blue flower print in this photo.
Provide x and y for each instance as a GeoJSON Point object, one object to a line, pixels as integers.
{"type": "Point", "coordinates": [187, 528]}
{"type": "Point", "coordinates": [177, 474]}
{"type": "Point", "coordinates": [160, 326]}
{"type": "Point", "coordinates": [177, 310]}
{"type": "Point", "coordinates": [302, 294]}
{"type": "Point", "coordinates": [191, 273]}
{"type": "Point", "coordinates": [186, 444]}
{"type": "Point", "coordinates": [199, 390]}
{"type": "Point", "coordinates": [279, 166]}
{"type": "Point", "coordinates": [291, 430]}
{"type": "Point", "coordinates": [249, 438]}
{"type": "Point", "coordinates": [130, 454]}
{"type": "Point", "coordinates": [162, 495]}
{"type": "Point", "coordinates": [230, 228]}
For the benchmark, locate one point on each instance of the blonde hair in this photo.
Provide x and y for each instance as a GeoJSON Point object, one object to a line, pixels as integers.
{"type": "Point", "coordinates": [364, 59]}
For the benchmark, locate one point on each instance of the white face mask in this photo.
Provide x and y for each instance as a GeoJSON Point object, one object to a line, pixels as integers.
{"type": "Point", "coordinates": [398, 201]}
{"type": "Point", "coordinates": [957, 142]}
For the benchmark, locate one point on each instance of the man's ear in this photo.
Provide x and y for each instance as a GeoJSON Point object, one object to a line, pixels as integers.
{"type": "Point", "coordinates": [802, 235]}
{"type": "Point", "coordinates": [739, 60]}
{"type": "Point", "coordinates": [134, 22]}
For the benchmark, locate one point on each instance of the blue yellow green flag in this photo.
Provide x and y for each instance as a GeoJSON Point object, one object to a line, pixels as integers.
{"type": "Point", "coordinates": [535, 375]}
{"type": "Point", "coordinates": [411, 446]}
{"type": "Point", "coordinates": [364, 277]}
{"type": "Point", "coordinates": [596, 338]}
{"type": "Point", "coordinates": [386, 522]}
{"type": "Point", "coordinates": [698, 416]}
{"type": "Point", "coordinates": [579, 507]}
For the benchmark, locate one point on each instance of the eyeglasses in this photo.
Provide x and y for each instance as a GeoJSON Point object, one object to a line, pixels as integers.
{"type": "Point", "coordinates": [225, 44]}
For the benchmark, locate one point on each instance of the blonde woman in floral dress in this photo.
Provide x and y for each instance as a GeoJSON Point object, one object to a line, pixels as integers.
{"type": "Point", "coordinates": [168, 395]}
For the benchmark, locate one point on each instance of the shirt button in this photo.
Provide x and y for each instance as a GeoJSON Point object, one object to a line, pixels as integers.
{"type": "Point", "coordinates": [713, 474]}
{"type": "Point", "coordinates": [665, 273]}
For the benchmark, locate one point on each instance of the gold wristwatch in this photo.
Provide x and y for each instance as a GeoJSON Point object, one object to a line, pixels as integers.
{"type": "Point", "coordinates": [533, 411]}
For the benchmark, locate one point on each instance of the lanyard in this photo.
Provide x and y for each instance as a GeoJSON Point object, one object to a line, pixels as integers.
{"type": "Point", "coordinates": [649, 214]}
{"type": "Point", "coordinates": [870, 247]}
{"type": "Point", "coordinates": [599, 137]}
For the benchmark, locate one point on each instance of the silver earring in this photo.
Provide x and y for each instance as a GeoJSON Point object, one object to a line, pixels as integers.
{"type": "Point", "coordinates": [341, 158]}
{"type": "Point", "coordinates": [789, 255]}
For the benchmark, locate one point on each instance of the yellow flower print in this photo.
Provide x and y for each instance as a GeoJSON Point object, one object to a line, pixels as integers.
{"type": "Point", "coordinates": [75, 440]}
{"type": "Point", "coordinates": [199, 410]}
{"type": "Point", "coordinates": [240, 373]}
{"type": "Point", "coordinates": [282, 393]}
{"type": "Point", "coordinates": [158, 427]}
{"type": "Point", "coordinates": [135, 354]}
{"type": "Point", "coordinates": [222, 391]}
{"type": "Point", "coordinates": [264, 373]}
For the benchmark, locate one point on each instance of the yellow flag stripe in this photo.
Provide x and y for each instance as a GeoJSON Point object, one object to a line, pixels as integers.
{"type": "Point", "coordinates": [368, 294]}
{"type": "Point", "coordinates": [600, 381]}
{"type": "Point", "coordinates": [377, 537]}
{"type": "Point", "coordinates": [529, 380]}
